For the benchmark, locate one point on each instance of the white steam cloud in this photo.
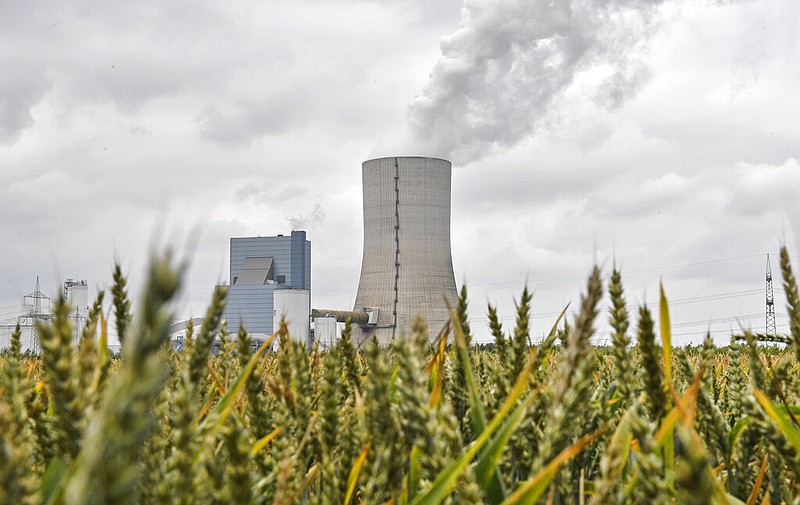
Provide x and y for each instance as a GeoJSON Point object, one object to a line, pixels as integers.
{"type": "Point", "coordinates": [501, 70]}
{"type": "Point", "coordinates": [301, 222]}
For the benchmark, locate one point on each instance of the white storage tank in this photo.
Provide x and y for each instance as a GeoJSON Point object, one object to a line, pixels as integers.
{"type": "Point", "coordinates": [327, 331]}
{"type": "Point", "coordinates": [77, 294]}
{"type": "Point", "coordinates": [295, 305]}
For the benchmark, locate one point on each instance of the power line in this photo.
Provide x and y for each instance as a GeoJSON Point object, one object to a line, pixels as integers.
{"type": "Point", "coordinates": [727, 319]}
{"type": "Point", "coordinates": [677, 301]}
{"type": "Point", "coordinates": [638, 270]}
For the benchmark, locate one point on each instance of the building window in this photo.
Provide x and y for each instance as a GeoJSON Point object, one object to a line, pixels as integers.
{"type": "Point", "coordinates": [281, 279]}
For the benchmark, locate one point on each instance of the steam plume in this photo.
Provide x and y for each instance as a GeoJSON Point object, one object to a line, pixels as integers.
{"type": "Point", "coordinates": [301, 222]}
{"type": "Point", "coordinates": [509, 59]}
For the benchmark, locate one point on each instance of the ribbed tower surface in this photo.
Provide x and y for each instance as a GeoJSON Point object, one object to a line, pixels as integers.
{"type": "Point", "coordinates": [407, 268]}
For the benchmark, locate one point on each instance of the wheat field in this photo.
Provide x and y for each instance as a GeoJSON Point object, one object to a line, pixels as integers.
{"type": "Point", "coordinates": [431, 419]}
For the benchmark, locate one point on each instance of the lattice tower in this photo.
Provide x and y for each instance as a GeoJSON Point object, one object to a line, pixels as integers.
{"type": "Point", "coordinates": [37, 313]}
{"type": "Point", "coordinates": [770, 317]}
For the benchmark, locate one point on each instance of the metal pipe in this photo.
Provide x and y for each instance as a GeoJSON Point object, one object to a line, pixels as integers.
{"type": "Point", "coordinates": [357, 317]}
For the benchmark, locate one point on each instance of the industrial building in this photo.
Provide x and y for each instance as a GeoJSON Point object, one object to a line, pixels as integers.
{"type": "Point", "coordinates": [36, 309]}
{"type": "Point", "coordinates": [76, 293]}
{"type": "Point", "coordinates": [269, 277]}
{"type": "Point", "coordinates": [407, 267]}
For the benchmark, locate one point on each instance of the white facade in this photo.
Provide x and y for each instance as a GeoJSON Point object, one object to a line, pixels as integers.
{"type": "Point", "coordinates": [26, 336]}
{"type": "Point", "coordinates": [77, 295]}
{"type": "Point", "coordinates": [327, 331]}
{"type": "Point", "coordinates": [295, 306]}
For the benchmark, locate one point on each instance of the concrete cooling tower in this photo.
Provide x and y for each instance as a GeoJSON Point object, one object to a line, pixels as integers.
{"type": "Point", "coordinates": [407, 269]}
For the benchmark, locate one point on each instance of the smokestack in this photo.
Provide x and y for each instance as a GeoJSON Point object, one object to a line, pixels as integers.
{"type": "Point", "coordinates": [407, 269]}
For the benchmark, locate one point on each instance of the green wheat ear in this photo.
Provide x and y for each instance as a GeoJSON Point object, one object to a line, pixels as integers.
{"type": "Point", "coordinates": [61, 381]}
{"type": "Point", "coordinates": [792, 299]}
{"type": "Point", "coordinates": [106, 469]}
{"type": "Point", "coordinates": [623, 359]}
{"type": "Point", "coordinates": [570, 387]}
{"type": "Point", "coordinates": [652, 376]}
{"type": "Point", "coordinates": [122, 305]}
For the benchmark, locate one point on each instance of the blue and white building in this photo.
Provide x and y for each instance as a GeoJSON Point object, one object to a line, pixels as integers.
{"type": "Point", "coordinates": [270, 276]}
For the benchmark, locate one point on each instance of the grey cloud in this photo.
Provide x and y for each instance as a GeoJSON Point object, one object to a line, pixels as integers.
{"type": "Point", "coordinates": [129, 80]}
{"type": "Point", "coordinates": [239, 123]}
{"type": "Point", "coordinates": [125, 52]}
{"type": "Point", "coordinates": [756, 190]}
{"type": "Point", "coordinates": [229, 66]}
{"type": "Point", "coordinates": [27, 199]}
{"type": "Point", "coordinates": [301, 222]}
{"type": "Point", "coordinates": [623, 84]}
{"type": "Point", "coordinates": [269, 192]}
{"type": "Point", "coordinates": [648, 195]}
{"type": "Point", "coordinates": [22, 85]}
{"type": "Point", "coordinates": [251, 191]}
{"type": "Point", "coordinates": [533, 186]}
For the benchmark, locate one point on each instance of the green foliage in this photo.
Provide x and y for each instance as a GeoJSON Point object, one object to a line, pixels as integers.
{"type": "Point", "coordinates": [414, 423]}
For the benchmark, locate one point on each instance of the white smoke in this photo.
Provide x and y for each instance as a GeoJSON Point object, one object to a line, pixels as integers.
{"type": "Point", "coordinates": [302, 222]}
{"type": "Point", "coordinates": [501, 70]}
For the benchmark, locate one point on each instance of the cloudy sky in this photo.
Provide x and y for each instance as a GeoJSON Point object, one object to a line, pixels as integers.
{"type": "Point", "coordinates": [662, 135]}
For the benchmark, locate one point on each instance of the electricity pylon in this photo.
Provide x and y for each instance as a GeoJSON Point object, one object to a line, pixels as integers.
{"type": "Point", "coordinates": [770, 319]}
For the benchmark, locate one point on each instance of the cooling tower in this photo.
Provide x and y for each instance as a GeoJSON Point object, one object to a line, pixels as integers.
{"type": "Point", "coordinates": [407, 269]}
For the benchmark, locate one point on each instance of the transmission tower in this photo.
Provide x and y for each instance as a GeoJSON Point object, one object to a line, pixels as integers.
{"type": "Point", "coordinates": [770, 322]}
{"type": "Point", "coordinates": [35, 314]}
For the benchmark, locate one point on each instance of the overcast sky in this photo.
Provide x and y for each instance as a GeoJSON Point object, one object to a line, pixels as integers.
{"type": "Point", "coordinates": [662, 134]}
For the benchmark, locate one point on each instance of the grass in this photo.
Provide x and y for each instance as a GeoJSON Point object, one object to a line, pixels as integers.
{"type": "Point", "coordinates": [429, 420]}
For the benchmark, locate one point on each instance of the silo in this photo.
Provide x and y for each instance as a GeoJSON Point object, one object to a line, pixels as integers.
{"type": "Point", "coordinates": [294, 305]}
{"type": "Point", "coordinates": [407, 269]}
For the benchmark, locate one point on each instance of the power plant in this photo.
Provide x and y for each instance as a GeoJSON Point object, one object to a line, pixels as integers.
{"type": "Point", "coordinates": [407, 267]}
{"type": "Point", "coordinates": [406, 270]}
